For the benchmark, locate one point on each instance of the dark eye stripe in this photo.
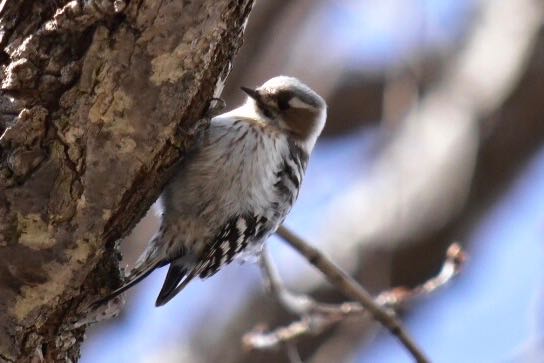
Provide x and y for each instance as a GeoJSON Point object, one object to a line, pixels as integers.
{"type": "Point", "coordinates": [264, 109]}
{"type": "Point", "coordinates": [283, 100]}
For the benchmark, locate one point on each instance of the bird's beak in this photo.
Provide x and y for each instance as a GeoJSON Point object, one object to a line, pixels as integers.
{"type": "Point", "coordinates": [251, 93]}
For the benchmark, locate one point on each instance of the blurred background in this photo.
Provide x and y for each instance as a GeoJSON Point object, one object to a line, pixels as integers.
{"type": "Point", "coordinates": [434, 135]}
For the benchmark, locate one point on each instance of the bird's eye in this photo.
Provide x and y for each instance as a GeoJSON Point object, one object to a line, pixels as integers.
{"type": "Point", "coordinates": [283, 100]}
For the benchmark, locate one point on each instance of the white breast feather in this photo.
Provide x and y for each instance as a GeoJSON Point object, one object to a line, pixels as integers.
{"type": "Point", "coordinates": [228, 177]}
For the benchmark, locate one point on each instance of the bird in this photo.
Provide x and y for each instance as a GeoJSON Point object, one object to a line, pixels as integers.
{"type": "Point", "coordinates": [235, 188]}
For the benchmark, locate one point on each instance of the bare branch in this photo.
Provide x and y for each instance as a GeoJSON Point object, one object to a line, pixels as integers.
{"type": "Point", "coordinates": [345, 283]}
{"type": "Point", "coordinates": [316, 317]}
{"type": "Point", "coordinates": [258, 338]}
{"type": "Point", "coordinates": [295, 303]}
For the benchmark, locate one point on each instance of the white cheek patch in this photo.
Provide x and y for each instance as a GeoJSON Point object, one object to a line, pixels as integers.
{"type": "Point", "coordinates": [296, 102]}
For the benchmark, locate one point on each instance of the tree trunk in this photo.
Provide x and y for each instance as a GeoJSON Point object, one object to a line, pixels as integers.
{"type": "Point", "coordinates": [97, 103]}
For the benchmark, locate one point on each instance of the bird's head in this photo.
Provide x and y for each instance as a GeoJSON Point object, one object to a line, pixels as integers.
{"type": "Point", "coordinates": [290, 105]}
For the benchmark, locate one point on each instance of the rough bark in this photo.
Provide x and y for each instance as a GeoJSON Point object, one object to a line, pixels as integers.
{"type": "Point", "coordinates": [97, 99]}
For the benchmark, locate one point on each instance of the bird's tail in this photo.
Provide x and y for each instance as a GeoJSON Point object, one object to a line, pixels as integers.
{"type": "Point", "coordinates": [136, 275]}
{"type": "Point", "coordinates": [149, 260]}
{"type": "Point", "coordinates": [180, 273]}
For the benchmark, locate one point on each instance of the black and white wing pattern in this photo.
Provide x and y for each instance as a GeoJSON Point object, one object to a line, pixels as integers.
{"type": "Point", "coordinates": [241, 231]}
{"type": "Point", "coordinates": [288, 180]}
{"type": "Point", "coordinates": [231, 239]}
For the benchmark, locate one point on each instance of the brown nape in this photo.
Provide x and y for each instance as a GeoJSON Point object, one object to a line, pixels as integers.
{"type": "Point", "coordinates": [300, 121]}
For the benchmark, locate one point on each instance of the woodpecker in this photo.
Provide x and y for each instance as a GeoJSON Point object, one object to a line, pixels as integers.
{"type": "Point", "coordinates": [236, 187]}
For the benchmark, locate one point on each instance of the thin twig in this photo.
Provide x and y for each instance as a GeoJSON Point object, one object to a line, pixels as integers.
{"type": "Point", "coordinates": [299, 304]}
{"type": "Point", "coordinates": [351, 288]}
{"type": "Point", "coordinates": [260, 339]}
{"type": "Point", "coordinates": [348, 286]}
{"type": "Point", "coordinates": [316, 317]}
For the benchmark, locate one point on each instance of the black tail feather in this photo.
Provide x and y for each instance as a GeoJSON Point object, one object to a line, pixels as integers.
{"type": "Point", "coordinates": [173, 286]}
{"type": "Point", "coordinates": [133, 281]}
{"type": "Point", "coordinates": [175, 274]}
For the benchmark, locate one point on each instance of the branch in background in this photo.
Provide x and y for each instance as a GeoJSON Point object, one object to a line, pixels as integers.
{"type": "Point", "coordinates": [445, 125]}
{"type": "Point", "coordinates": [345, 283]}
{"type": "Point", "coordinates": [316, 317]}
{"type": "Point", "coordinates": [302, 305]}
